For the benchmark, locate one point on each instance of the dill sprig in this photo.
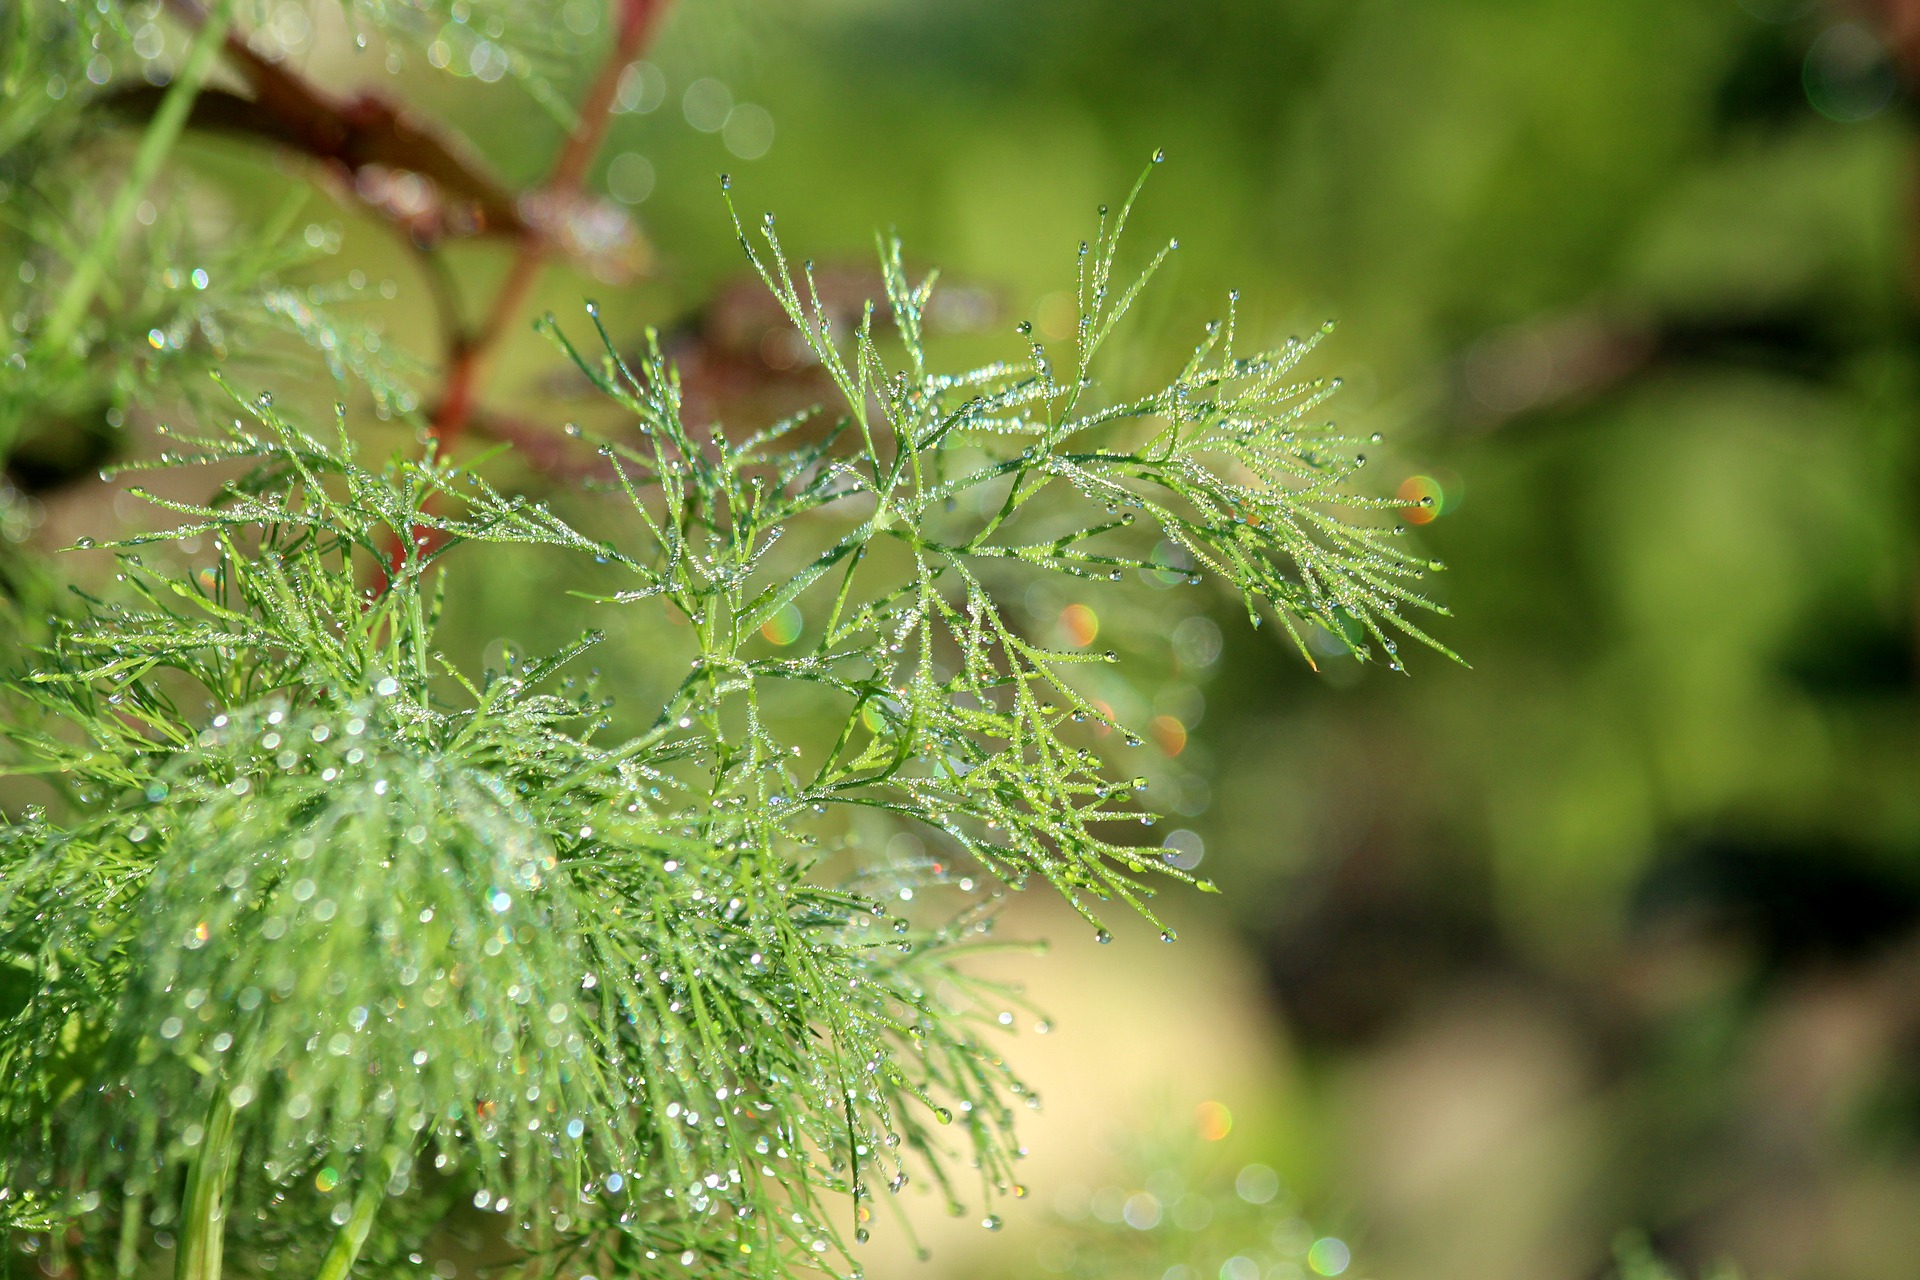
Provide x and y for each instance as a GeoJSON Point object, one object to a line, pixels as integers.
{"type": "Point", "coordinates": [333, 944]}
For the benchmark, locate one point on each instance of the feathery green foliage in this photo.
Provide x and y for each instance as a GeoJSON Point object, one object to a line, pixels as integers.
{"type": "Point", "coordinates": [333, 946]}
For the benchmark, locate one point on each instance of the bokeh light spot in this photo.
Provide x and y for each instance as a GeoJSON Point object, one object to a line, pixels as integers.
{"type": "Point", "coordinates": [1196, 643]}
{"type": "Point", "coordinates": [1184, 849]}
{"type": "Point", "coordinates": [783, 628]}
{"type": "Point", "coordinates": [707, 103]}
{"type": "Point", "coordinates": [1847, 75]}
{"type": "Point", "coordinates": [1426, 499]}
{"type": "Point", "coordinates": [1329, 1256]}
{"type": "Point", "coordinates": [1141, 1211]}
{"type": "Point", "coordinates": [630, 177]}
{"type": "Point", "coordinates": [1081, 624]}
{"type": "Point", "coordinates": [748, 132]}
{"type": "Point", "coordinates": [1214, 1120]}
{"type": "Point", "coordinates": [642, 87]}
{"type": "Point", "coordinates": [1257, 1184]}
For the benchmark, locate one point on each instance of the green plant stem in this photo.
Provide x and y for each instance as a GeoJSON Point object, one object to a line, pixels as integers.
{"type": "Point", "coordinates": [155, 145]}
{"type": "Point", "coordinates": [203, 1214]}
{"type": "Point", "coordinates": [347, 1242]}
{"type": "Point", "coordinates": [127, 1256]}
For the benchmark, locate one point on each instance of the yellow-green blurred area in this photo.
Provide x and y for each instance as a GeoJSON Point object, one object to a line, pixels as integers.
{"type": "Point", "coordinates": [1618, 926]}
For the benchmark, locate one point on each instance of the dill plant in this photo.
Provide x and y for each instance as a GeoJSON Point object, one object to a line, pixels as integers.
{"type": "Point", "coordinates": [331, 954]}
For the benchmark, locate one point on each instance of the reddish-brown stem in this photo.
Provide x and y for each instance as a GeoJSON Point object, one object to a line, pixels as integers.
{"type": "Point", "coordinates": [359, 136]}
{"type": "Point", "coordinates": [470, 355]}
{"type": "Point", "coordinates": [368, 131]}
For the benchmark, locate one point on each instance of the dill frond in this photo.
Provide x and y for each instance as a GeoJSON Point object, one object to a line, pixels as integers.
{"type": "Point", "coordinates": [333, 943]}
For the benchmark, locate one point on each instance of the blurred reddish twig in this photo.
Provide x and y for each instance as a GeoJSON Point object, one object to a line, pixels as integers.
{"type": "Point", "coordinates": [376, 144]}
{"type": "Point", "coordinates": [470, 353]}
{"type": "Point", "coordinates": [1900, 26]}
{"type": "Point", "coordinates": [381, 147]}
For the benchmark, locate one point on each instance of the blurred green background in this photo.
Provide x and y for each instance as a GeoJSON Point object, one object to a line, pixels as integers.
{"type": "Point", "coordinates": [1621, 926]}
